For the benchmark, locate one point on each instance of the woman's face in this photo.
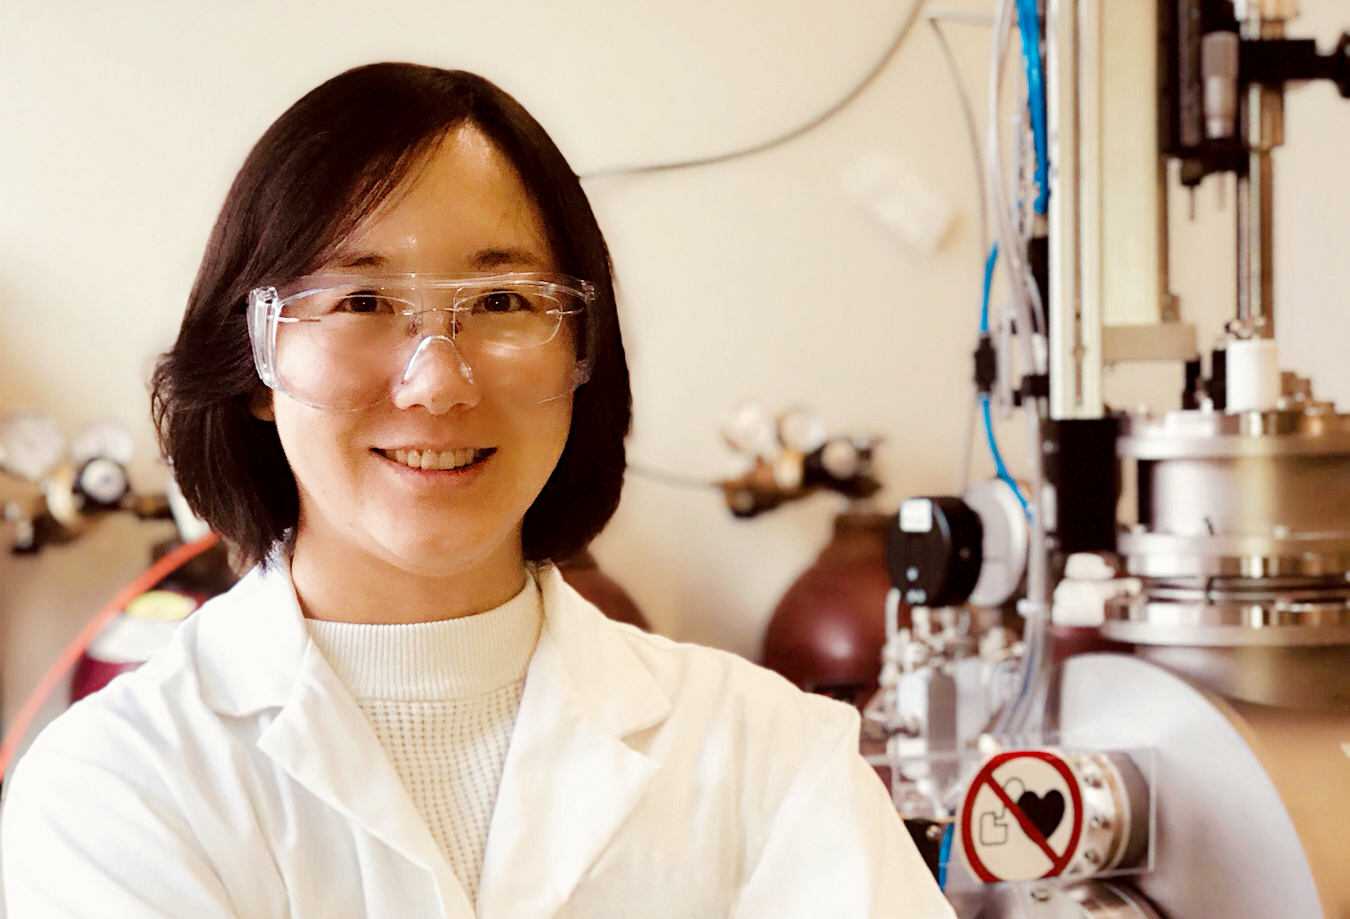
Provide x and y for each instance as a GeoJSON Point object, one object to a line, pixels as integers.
{"type": "Point", "coordinates": [466, 213]}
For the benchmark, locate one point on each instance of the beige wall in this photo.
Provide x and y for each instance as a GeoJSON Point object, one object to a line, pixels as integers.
{"type": "Point", "coordinates": [121, 125]}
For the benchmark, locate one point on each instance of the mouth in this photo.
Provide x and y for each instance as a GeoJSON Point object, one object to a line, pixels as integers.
{"type": "Point", "coordinates": [439, 461]}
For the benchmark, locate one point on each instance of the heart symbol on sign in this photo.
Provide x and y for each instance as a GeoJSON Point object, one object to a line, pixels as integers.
{"type": "Point", "coordinates": [1044, 811]}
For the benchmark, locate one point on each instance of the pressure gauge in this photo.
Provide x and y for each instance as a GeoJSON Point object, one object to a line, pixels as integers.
{"type": "Point", "coordinates": [801, 430]}
{"type": "Point", "coordinates": [103, 481]}
{"type": "Point", "coordinates": [105, 439]}
{"type": "Point", "coordinates": [30, 445]}
{"type": "Point", "coordinates": [841, 458]}
{"type": "Point", "coordinates": [750, 430]}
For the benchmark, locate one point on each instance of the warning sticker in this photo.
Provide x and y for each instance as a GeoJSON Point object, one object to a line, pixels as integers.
{"type": "Point", "coordinates": [1022, 817]}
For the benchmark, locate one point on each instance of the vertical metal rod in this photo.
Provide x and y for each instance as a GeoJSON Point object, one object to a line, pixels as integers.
{"type": "Point", "coordinates": [1260, 248]}
{"type": "Point", "coordinates": [1262, 114]}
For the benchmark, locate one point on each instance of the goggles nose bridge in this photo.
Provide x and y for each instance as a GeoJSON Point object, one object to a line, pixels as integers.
{"type": "Point", "coordinates": [429, 317]}
{"type": "Point", "coordinates": [423, 348]}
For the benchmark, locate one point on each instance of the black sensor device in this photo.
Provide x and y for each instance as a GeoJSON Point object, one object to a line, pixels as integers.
{"type": "Point", "coordinates": [933, 551]}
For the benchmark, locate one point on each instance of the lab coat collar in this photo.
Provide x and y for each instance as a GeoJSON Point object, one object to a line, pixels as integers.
{"type": "Point", "coordinates": [569, 780]}
{"type": "Point", "coordinates": [319, 736]}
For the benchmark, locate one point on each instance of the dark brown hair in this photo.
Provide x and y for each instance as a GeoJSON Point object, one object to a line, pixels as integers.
{"type": "Point", "coordinates": [323, 166]}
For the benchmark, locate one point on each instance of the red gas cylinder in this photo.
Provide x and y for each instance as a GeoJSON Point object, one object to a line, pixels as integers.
{"type": "Point", "coordinates": [827, 633]}
{"type": "Point", "coordinates": [146, 625]}
{"type": "Point", "coordinates": [583, 572]}
{"type": "Point", "coordinates": [149, 621]}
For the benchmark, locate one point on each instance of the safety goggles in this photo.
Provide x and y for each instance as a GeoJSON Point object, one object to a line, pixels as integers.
{"type": "Point", "coordinates": [345, 341]}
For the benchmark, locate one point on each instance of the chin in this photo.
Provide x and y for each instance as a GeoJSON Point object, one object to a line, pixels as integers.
{"type": "Point", "coordinates": [443, 556]}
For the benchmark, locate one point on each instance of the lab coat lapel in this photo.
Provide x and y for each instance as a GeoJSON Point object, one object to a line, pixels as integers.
{"type": "Point", "coordinates": [320, 737]}
{"type": "Point", "coordinates": [570, 780]}
{"type": "Point", "coordinates": [323, 741]}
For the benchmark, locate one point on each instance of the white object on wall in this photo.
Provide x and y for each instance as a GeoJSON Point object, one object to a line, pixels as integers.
{"type": "Point", "coordinates": [909, 206]}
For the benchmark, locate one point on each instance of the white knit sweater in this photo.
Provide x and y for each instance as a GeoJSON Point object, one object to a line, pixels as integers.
{"type": "Point", "coordinates": [442, 698]}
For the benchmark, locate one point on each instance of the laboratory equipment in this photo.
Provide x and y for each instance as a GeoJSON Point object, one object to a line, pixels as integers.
{"type": "Point", "coordinates": [73, 484]}
{"type": "Point", "coordinates": [1203, 773]}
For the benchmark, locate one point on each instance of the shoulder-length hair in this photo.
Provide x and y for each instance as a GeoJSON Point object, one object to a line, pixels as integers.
{"type": "Point", "coordinates": [324, 165]}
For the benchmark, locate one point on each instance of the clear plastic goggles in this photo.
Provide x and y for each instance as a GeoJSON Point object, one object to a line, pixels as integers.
{"type": "Point", "coordinates": [344, 341]}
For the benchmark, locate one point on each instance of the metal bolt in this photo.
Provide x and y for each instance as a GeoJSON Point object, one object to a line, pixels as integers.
{"type": "Point", "coordinates": [1092, 858]}
{"type": "Point", "coordinates": [1091, 778]}
{"type": "Point", "coordinates": [912, 573]}
{"type": "Point", "coordinates": [1040, 895]}
{"type": "Point", "coordinates": [1098, 822]}
{"type": "Point", "coordinates": [935, 832]}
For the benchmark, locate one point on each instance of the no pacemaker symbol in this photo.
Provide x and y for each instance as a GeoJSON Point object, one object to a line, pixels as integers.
{"type": "Point", "coordinates": [1022, 817]}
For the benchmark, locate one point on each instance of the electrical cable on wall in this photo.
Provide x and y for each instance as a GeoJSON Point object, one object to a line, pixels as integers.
{"type": "Point", "coordinates": [977, 154]}
{"type": "Point", "coordinates": [778, 140]}
{"type": "Point", "coordinates": [674, 479]}
{"type": "Point", "coordinates": [972, 130]}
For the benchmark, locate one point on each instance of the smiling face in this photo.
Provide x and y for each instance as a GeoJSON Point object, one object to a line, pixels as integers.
{"type": "Point", "coordinates": [431, 484]}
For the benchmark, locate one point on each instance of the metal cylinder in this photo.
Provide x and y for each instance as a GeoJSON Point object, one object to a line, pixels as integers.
{"type": "Point", "coordinates": [1242, 541]}
{"type": "Point", "coordinates": [1091, 900]}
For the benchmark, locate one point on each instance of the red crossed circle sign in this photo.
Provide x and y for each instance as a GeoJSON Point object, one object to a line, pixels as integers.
{"type": "Point", "coordinates": [1022, 817]}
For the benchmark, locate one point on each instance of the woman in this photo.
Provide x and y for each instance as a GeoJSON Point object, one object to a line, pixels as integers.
{"type": "Point", "coordinates": [399, 391]}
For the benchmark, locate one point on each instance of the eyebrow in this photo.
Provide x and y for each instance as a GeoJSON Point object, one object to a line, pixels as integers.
{"type": "Point", "coordinates": [496, 258]}
{"type": "Point", "coordinates": [482, 260]}
{"type": "Point", "coordinates": [362, 260]}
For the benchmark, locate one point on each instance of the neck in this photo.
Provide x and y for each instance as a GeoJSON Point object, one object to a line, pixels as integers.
{"type": "Point", "coordinates": [336, 583]}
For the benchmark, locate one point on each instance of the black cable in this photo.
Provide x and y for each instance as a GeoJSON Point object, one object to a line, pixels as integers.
{"type": "Point", "coordinates": [780, 139]}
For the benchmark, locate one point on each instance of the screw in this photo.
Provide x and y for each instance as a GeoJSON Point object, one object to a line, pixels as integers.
{"type": "Point", "coordinates": [1092, 779]}
{"type": "Point", "coordinates": [1040, 895]}
{"type": "Point", "coordinates": [1098, 822]}
{"type": "Point", "coordinates": [1092, 858]}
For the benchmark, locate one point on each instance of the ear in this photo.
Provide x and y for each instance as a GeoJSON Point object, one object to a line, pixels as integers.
{"type": "Point", "coordinates": [260, 404]}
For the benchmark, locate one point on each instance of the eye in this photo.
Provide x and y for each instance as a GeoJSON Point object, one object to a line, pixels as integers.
{"type": "Point", "coordinates": [502, 301]}
{"type": "Point", "coordinates": [364, 302]}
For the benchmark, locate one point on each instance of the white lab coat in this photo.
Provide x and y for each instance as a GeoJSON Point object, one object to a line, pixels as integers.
{"type": "Point", "coordinates": [234, 776]}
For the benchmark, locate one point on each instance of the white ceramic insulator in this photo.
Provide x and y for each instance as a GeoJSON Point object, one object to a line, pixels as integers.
{"type": "Point", "coordinates": [1253, 372]}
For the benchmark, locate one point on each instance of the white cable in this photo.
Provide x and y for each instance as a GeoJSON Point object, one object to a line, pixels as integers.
{"type": "Point", "coordinates": [911, 17]}
{"type": "Point", "coordinates": [1021, 713]}
{"type": "Point", "coordinates": [972, 132]}
{"type": "Point", "coordinates": [968, 444]}
{"type": "Point", "coordinates": [976, 151]}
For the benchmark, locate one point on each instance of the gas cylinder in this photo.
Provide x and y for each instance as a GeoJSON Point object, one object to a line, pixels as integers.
{"type": "Point", "coordinates": [583, 572]}
{"type": "Point", "coordinates": [828, 630]}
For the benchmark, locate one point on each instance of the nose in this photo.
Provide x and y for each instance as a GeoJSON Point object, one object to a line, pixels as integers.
{"type": "Point", "coordinates": [437, 378]}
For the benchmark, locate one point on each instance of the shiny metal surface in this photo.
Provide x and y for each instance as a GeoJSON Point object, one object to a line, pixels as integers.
{"type": "Point", "coordinates": [1116, 802]}
{"type": "Point", "coordinates": [1203, 621]}
{"type": "Point", "coordinates": [1167, 555]}
{"type": "Point", "coordinates": [1109, 901]}
{"type": "Point", "coordinates": [1202, 434]}
{"type": "Point", "coordinates": [1310, 677]}
{"type": "Point", "coordinates": [1243, 534]}
{"type": "Point", "coordinates": [1089, 900]}
{"type": "Point", "coordinates": [1251, 801]}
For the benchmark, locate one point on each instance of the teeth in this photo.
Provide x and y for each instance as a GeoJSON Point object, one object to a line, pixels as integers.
{"type": "Point", "coordinates": [430, 459]}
